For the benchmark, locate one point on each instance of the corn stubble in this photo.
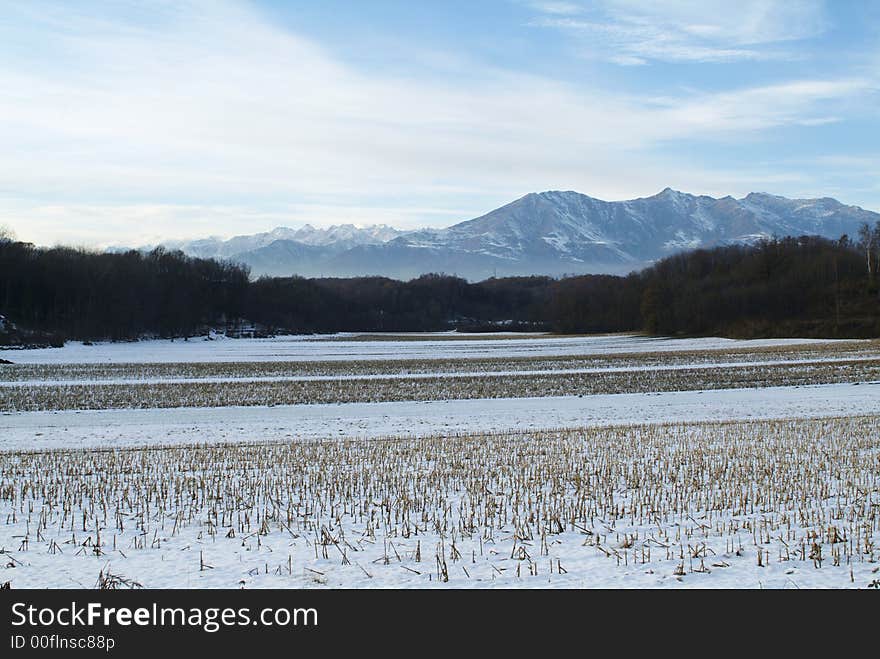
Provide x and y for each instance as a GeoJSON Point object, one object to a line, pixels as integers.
{"type": "Point", "coordinates": [842, 350]}
{"type": "Point", "coordinates": [228, 393]}
{"type": "Point", "coordinates": [792, 503]}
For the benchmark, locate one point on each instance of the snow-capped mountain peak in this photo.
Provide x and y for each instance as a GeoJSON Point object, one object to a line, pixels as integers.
{"type": "Point", "coordinates": [551, 232]}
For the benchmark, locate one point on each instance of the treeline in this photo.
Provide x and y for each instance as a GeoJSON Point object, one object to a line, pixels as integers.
{"type": "Point", "coordinates": [79, 294]}
{"type": "Point", "coordinates": [377, 304]}
{"type": "Point", "coordinates": [790, 287]}
{"type": "Point", "coordinates": [793, 286]}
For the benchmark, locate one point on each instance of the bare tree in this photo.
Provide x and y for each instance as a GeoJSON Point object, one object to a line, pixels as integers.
{"type": "Point", "coordinates": [866, 240]}
{"type": "Point", "coordinates": [875, 243]}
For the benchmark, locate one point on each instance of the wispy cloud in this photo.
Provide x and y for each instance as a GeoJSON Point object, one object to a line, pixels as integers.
{"type": "Point", "coordinates": [557, 8]}
{"type": "Point", "coordinates": [802, 102]}
{"type": "Point", "coordinates": [211, 120]}
{"type": "Point", "coordinates": [629, 32]}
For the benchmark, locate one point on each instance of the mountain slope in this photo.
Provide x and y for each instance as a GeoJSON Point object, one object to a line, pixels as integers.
{"type": "Point", "coordinates": [568, 232]}
{"type": "Point", "coordinates": [542, 233]}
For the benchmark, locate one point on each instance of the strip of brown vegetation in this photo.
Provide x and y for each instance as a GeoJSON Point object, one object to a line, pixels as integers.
{"type": "Point", "coordinates": [525, 385]}
{"type": "Point", "coordinates": [86, 372]}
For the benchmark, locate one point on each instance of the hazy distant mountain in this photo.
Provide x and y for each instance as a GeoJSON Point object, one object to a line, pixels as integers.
{"type": "Point", "coordinates": [338, 237]}
{"type": "Point", "coordinates": [540, 233]}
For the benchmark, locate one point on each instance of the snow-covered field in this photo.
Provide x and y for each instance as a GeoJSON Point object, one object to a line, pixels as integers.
{"type": "Point", "coordinates": [678, 366]}
{"type": "Point", "coordinates": [682, 482]}
{"type": "Point", "coordinates": [200, 425]}
{"type": "Point", "coordinates": [347, 347]}
{"type": "Point", "coordinates": [773, 504]}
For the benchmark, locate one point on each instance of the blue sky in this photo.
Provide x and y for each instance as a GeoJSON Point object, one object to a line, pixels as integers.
{"type": "Point", "coordinates": [128, 122]}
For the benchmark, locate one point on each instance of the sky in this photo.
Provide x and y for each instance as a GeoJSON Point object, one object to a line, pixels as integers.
{"type": "Point", "coordinates": [127, 123]}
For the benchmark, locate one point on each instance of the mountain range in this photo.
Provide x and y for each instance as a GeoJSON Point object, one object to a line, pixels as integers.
{"type": "Point", "coordinates": [551, 233]}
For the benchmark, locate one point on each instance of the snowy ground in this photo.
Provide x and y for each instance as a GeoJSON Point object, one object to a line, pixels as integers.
{"type": "Point", "coordinates": [778, 504]}
{"type": "Point", "coordinates": [111, 428]}
{"type": "Point", "coordinates": [78, 491]}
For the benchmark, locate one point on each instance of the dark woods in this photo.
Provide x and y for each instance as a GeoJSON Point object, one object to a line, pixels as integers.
{"type": "Point", "coordinates": [78, 294]}
{"type": "Point", "coordinates": [793, 286]}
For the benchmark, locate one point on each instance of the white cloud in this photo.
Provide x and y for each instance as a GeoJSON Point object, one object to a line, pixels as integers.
{"type": "Point", "coordinates": [561, 8]}
{"type": "Point", "coordinates": [803, 102]}
{"type": "Point", "coordinates": [210, 120]}
{"type": "Point", "coordinates": [630, 32]}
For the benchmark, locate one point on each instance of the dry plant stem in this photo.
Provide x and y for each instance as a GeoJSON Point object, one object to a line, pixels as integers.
{"type": "Point", "coordinates": [128, 395]}
{"type": "Point", "coordinates": [676, 499]}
